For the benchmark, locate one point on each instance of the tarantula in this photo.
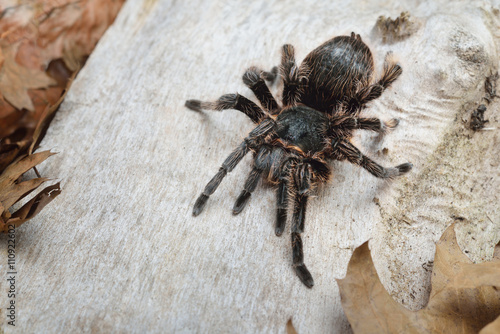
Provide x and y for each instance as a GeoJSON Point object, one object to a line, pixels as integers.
{"type": "Point", "coordinates": [293, 143]}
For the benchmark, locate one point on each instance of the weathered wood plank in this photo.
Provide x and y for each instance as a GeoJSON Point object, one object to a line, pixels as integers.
{"type": "Point", "coordinates": [119, 249]}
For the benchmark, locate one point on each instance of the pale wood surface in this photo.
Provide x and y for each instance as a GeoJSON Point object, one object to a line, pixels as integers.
{"type": "Point", "coordinates": [119, 250]}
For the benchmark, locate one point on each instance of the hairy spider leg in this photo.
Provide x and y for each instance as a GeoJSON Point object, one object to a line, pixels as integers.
{"type": "Point", "coordinates": [302, 186]}
{"type": "Point", "coordinates": [376, 125]}
{"type": "Point", "coordinates": [269, 76]}
{"type": "Point", "coordinates": [260, 163]}
{"type": "Point", "coordinates": [250, 185]}
{"type": "Point", "coordinates": [293, 76]}
{"type": "Point", "coordinates": [361, 123]}
{"type": "Point", "coordinates": [253, 140]}
{"type": "Point", "coordinates": [230, 101]}
{"type": "Point", "coordinates": [354, 155]}
{"type": "Point", "coordinates": [267, 160]}
{"type": "Point", "coordinates": [392, 70]}
{"type": "Point", "coordinates": [356, 36]}
{"type": "Point", "coordinates": [282, 199]}
{"type": "Point", "coordinates": [253, 79]}
{"type": "Point", "coordinates": [282, 193]}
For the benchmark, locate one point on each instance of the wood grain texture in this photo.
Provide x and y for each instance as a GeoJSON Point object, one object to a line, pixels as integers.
{"type": "Point", "coordinates": [119, 251]}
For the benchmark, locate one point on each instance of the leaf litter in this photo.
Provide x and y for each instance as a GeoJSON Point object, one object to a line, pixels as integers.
{"type": "Point", "coordinates": [43, 44]}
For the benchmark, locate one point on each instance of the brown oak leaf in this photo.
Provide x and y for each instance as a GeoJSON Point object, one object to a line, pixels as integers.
{"type": "Point", "coordinates": [290, 329]}
{"type": "Point", "coordinates": [465, 297]}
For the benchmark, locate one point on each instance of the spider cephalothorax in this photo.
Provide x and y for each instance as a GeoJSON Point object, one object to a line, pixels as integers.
{"type": "Point", "coordinates": [293, 143]}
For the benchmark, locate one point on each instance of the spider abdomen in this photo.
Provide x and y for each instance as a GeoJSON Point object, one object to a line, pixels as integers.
{"type": "Point", "coordinates": [335, 69]}
{"type": "Point", "coordinates": [302, 127]}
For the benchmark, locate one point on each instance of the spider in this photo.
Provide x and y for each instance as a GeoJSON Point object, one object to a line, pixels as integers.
{"type": "Point", "coordinates": [292, 144]}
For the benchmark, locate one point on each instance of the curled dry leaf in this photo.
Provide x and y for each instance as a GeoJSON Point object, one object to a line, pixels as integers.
{"type": "Point", "coordinates": [35, 205]}
{"type": "Point", "coordinates": [12, 190]}
{"type": "Point", "coordinates": [465, 297]}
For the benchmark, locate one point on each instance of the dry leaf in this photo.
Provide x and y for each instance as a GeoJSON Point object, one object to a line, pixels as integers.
{"type": "Point", "coordinates": [464, 297]}
{"type": "Point", "coordinates": [1, 58]}
{"type": "Point", "coordinates": [8, 152]}
{"type": "Point", "coordinates": [12, 190]}
{"type": "Point", "coordinates": [492, 328]}
{"type": "Point", "coordinates": [43, 44]}
{"type": "Point", "coordinates": [35, 35]}
{"type": "Point", "coordinates": [47, 116]}
{"type": "Point", "coordinates": [41, 32]}
{"type": "Point", "coordinates": [15, 80]}
{"type": "Point", "coordinates": [35, 205]}
{"type": "Point", "coordinates": [289, 327]}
